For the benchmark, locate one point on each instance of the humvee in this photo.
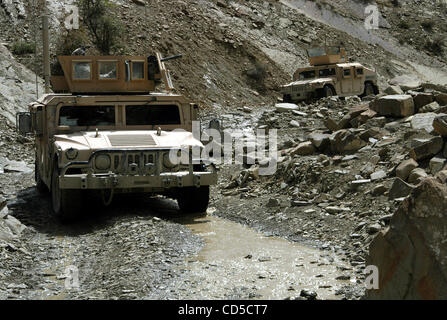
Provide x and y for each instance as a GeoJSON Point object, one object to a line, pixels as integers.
{"type": "Point", "coordinates": [330, 74]}
{"type": "Point", "coordinates": [104, 131]}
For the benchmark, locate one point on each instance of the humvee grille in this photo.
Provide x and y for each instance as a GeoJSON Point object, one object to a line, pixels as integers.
{"type": "Point", "coordinates": [131, 140]}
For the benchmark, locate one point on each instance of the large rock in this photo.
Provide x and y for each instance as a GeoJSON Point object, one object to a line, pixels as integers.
{"type": "Point", "coordinates": [17, 85]}
{"type": "Point", "coordinates": [404, 169]}
{"type": "Point", "coordinates": [406, 82]}
{"type": "Point", "coordinates": [411, 255]}
{"type": "Point", "coordinates": [399, 189]}
{"type": "Point", "coordinates": [424, 121]}
{"type": "Point", "coordinates": [431, 107]}
{"type": "Point", "coordinates": [393, 90]}
{"type": "Point", "coordinates": [394, 106]}
{"type": "Point", "coordinates": [286, 107]}
{"type": "Point", "coordinates": [345, 141]}
{"type": "Point", "coordinates": [441, 98]}
{"type": "Point", "coordinates": [429, 148]}
{"type": "Point", "coordinates": [319, 140]}
{"type": "Point", "coordinates": [440, 125]}
{"type": "Point", "coordinates": [304, 149]}
{"type": "Point", "coordinates": [421, 99]}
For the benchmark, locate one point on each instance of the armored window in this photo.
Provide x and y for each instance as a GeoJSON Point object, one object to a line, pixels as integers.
{"type": "Point", "coordinates": [327, 72]}
{"type": "Point", "coordinates": [359, 72]}
{"type": "Point", "coordinates": [137, 70]}
{"type": "Point", "coordinates": [307, 75]}
{"type": "Point", "coordinates": [108, 70]}
{"type": "Point", "coordinates": [82, 70]}
{"type": "Point", "coordinates": [152, 115]}
{"type": "Point", "coordinates": [347, 72]}
{"type": "Point", "coordinates": [86, 116]}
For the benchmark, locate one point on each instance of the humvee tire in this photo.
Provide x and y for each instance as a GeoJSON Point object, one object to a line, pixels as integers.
{"type": "Point", "coordinates": [66, 204]}
{"type": "Point", "coordinates": [40, 185]}
{"type": "Point", "coordinates": [328, 91]}
{"type": "Point", "coordinates": [193, 200]}
{"type": "Point", "coordinates": [369, 90]}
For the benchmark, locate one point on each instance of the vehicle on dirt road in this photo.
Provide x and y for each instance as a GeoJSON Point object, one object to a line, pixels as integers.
{"type": "Point", "coordinates": [104, 131]}
{"type": "Point", "coordinates": [329, 74]}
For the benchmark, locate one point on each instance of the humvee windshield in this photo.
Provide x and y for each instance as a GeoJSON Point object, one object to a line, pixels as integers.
{"type": "Point", "coordinates": [152, 115]}
{"type": "Point", "coordinates": [84, 116]}
{"type": "Point", "coordinates": [307, 75]}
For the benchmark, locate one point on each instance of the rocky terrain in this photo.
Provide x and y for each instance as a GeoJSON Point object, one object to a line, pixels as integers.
{"type": "Point", "coordinates": [350, 171]}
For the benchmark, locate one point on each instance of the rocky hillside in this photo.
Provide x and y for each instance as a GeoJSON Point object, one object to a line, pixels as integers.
{"type": "Point", "coordinates": [236, 53]}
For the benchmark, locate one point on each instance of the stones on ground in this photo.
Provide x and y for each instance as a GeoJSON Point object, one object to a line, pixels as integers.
{"type": "Point", "coordinates": [394, 105]}
{"type": "Point", "coordinates": [336, 210]}
{"type": "Point", "coordinates": [308, 294]}
{"type": "Point", "coordinates": [431, 107]}
{"type": "Point", "coordinates": [441, 98]}
{"type": "Point", "coordinates": [417, 175]}
{"type": "Point", "coordinates": [319, 140]}
{"type": "Point", "coordinates": [393, 90]}
{"type": "Point", "coordinates": [423, 121]}
{"type": "Point", "coordinates": [304, 149]}
{"type": "Point", "coordinates": [345, 141]}
{"type": "Point", "coordinates": [422, 99]}
{"type": "Point", "coordinates": [399, 189]}
{"type": "Point", "coordinates": [378, 175]}
{"type": "Point", "coordinates": [374, 228]}
{"type": "Point", "coordinates": [273, 203]}
{"type": "Point", "coordinates": [285, 107]}
{"type": "Point", "coordinates": [295, 124]}
{"type": "Point", "coordinates": [440, 125]}
{"type": "Point", "coordinates": [437, 164]}
{"type": "Point", "coordinates": [379, 190]}
{"type": "Point", "coordinates": [404, 169]}
{"type": "Point", "coordinates": [411, 255]}
{"type": "Point", "coordinates": [427, 149]}
{"type": "Point", "coordinates": [406, 82]}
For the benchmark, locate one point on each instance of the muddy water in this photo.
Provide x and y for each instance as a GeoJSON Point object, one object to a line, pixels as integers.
{"type": "Point", "coordinates": [237, 257]}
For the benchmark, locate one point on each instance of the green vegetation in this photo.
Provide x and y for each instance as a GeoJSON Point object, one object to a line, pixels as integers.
{"type": "Point", "coordinates": [99, 16]}
{"type": "Point", "coordinates": [22, 47]}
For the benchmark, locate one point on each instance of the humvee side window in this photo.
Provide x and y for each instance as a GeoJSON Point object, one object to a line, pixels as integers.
{"type": "Point", "coordinates": [307, 75]}
{"type": "Point", "coordinates": [107, 70]}
{"type": "Point", "coordinates": [327, 72]}
{"type": "Point", "coordinates": [359, 72]}
{"type": "Point", "coordinates": [82, 70]}
{"type": "Point", "coordinates": [347, 72]}
{"type": "Point", "coordinates": [137, 70]}
{"type": "Point", "coordinates": [152, 115]}
{"type": "Point", "coordinates": [85, 116]}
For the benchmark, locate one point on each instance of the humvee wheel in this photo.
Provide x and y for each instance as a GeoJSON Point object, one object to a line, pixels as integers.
{"type": "Point", "coordinates": [193, 200]}
{"type": "Point", "coordinates": [369, 90]}
{"type": "Point", "coordinates": [40, 185]}
{"type": "Point", "coordinates": [328, 91]}
{"type": "Point", "coordinates": [66, 204]}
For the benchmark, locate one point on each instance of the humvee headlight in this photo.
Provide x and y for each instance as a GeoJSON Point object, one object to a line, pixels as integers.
{"type": "Point", "coordinates": [103, 162]}
{"type": "Point", "coordinates": [71, 154]}
{"type": "Point", "coordinates": [170, 163]}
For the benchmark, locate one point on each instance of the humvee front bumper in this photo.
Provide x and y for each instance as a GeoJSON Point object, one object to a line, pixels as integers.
{"type": "Point", "coordinates": [157, 183]}
{"type": "Point", "coordinates": [142, 174]}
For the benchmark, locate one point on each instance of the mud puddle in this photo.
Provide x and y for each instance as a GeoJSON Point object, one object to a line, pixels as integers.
{"type": "Point", "coordinates": [238, 262]}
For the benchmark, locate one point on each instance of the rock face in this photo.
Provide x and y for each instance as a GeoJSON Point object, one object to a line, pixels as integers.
{"type": "Point", "coordinates": [394, 106]}
{"type": "Point", "coordinates": [17, 85]}
{"type": "Point", "coordinates": [411, 254]}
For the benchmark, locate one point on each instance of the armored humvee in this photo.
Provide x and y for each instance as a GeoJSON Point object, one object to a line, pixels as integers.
{"type": "Point", "coordinates": [104, 131]}
{"type": "Point", "coordinates": [330, 74]}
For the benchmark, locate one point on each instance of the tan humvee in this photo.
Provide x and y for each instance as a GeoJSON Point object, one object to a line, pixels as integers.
{"type": "Point", "coordinates": [109, 134]}
{"type": "Point", "coordinates": [330, 75]}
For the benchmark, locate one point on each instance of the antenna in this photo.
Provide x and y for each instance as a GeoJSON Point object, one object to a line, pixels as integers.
{"type": "Point", "coordinates": [35, 48]}
{"type": "Point", "coordinates": [46, 51]}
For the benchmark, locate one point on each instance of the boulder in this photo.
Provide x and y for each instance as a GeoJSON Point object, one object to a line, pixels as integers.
{"type": "Point", "coordinates": [406, 82]}
{"type": "Point", "coordinates": [427, 149]}
{"type": "Point", "coordinates": [421, 99]}
{"type": "Point", "coordinates": [431, 107]}
{"type": "Point", "coordinates": [394, 106]}
{"type": "Point", "coordinates": [441, 98]}
{"type": "Point", "coordinates": [417, 175]}
{"type": "Point", "coordinates": [303, 149]}
{"type": "Point", "coordinates": [404, 169]}
{"type": "Point", "coordinates": [440, 125]}
{"type": "Point", "coordinates": [393, 90]}
{"type": "Point", "coordinates": [345, 141]}
{"type": "Point", "coordinates": [319, 140]}
{"type": "Point", "coordinates": [285, 107]}
{"type": "Point", "coordinates": [399, 189]}
{"type": "Point", "coordinates": [423, 121]}
{"type": "Point", "coordinates": [411, 254]}
{"type": "Point", "coordinates": [437, 164]}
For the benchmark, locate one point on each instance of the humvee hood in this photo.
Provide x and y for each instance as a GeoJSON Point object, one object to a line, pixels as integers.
{"type": "Point", "coordinates": [311, 81]}
{"type": "Point", "coordinates": [126, 140]}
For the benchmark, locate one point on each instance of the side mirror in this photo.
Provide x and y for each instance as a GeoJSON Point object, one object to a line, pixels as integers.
{"type": "Point", "coordinates": [23, 123]}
